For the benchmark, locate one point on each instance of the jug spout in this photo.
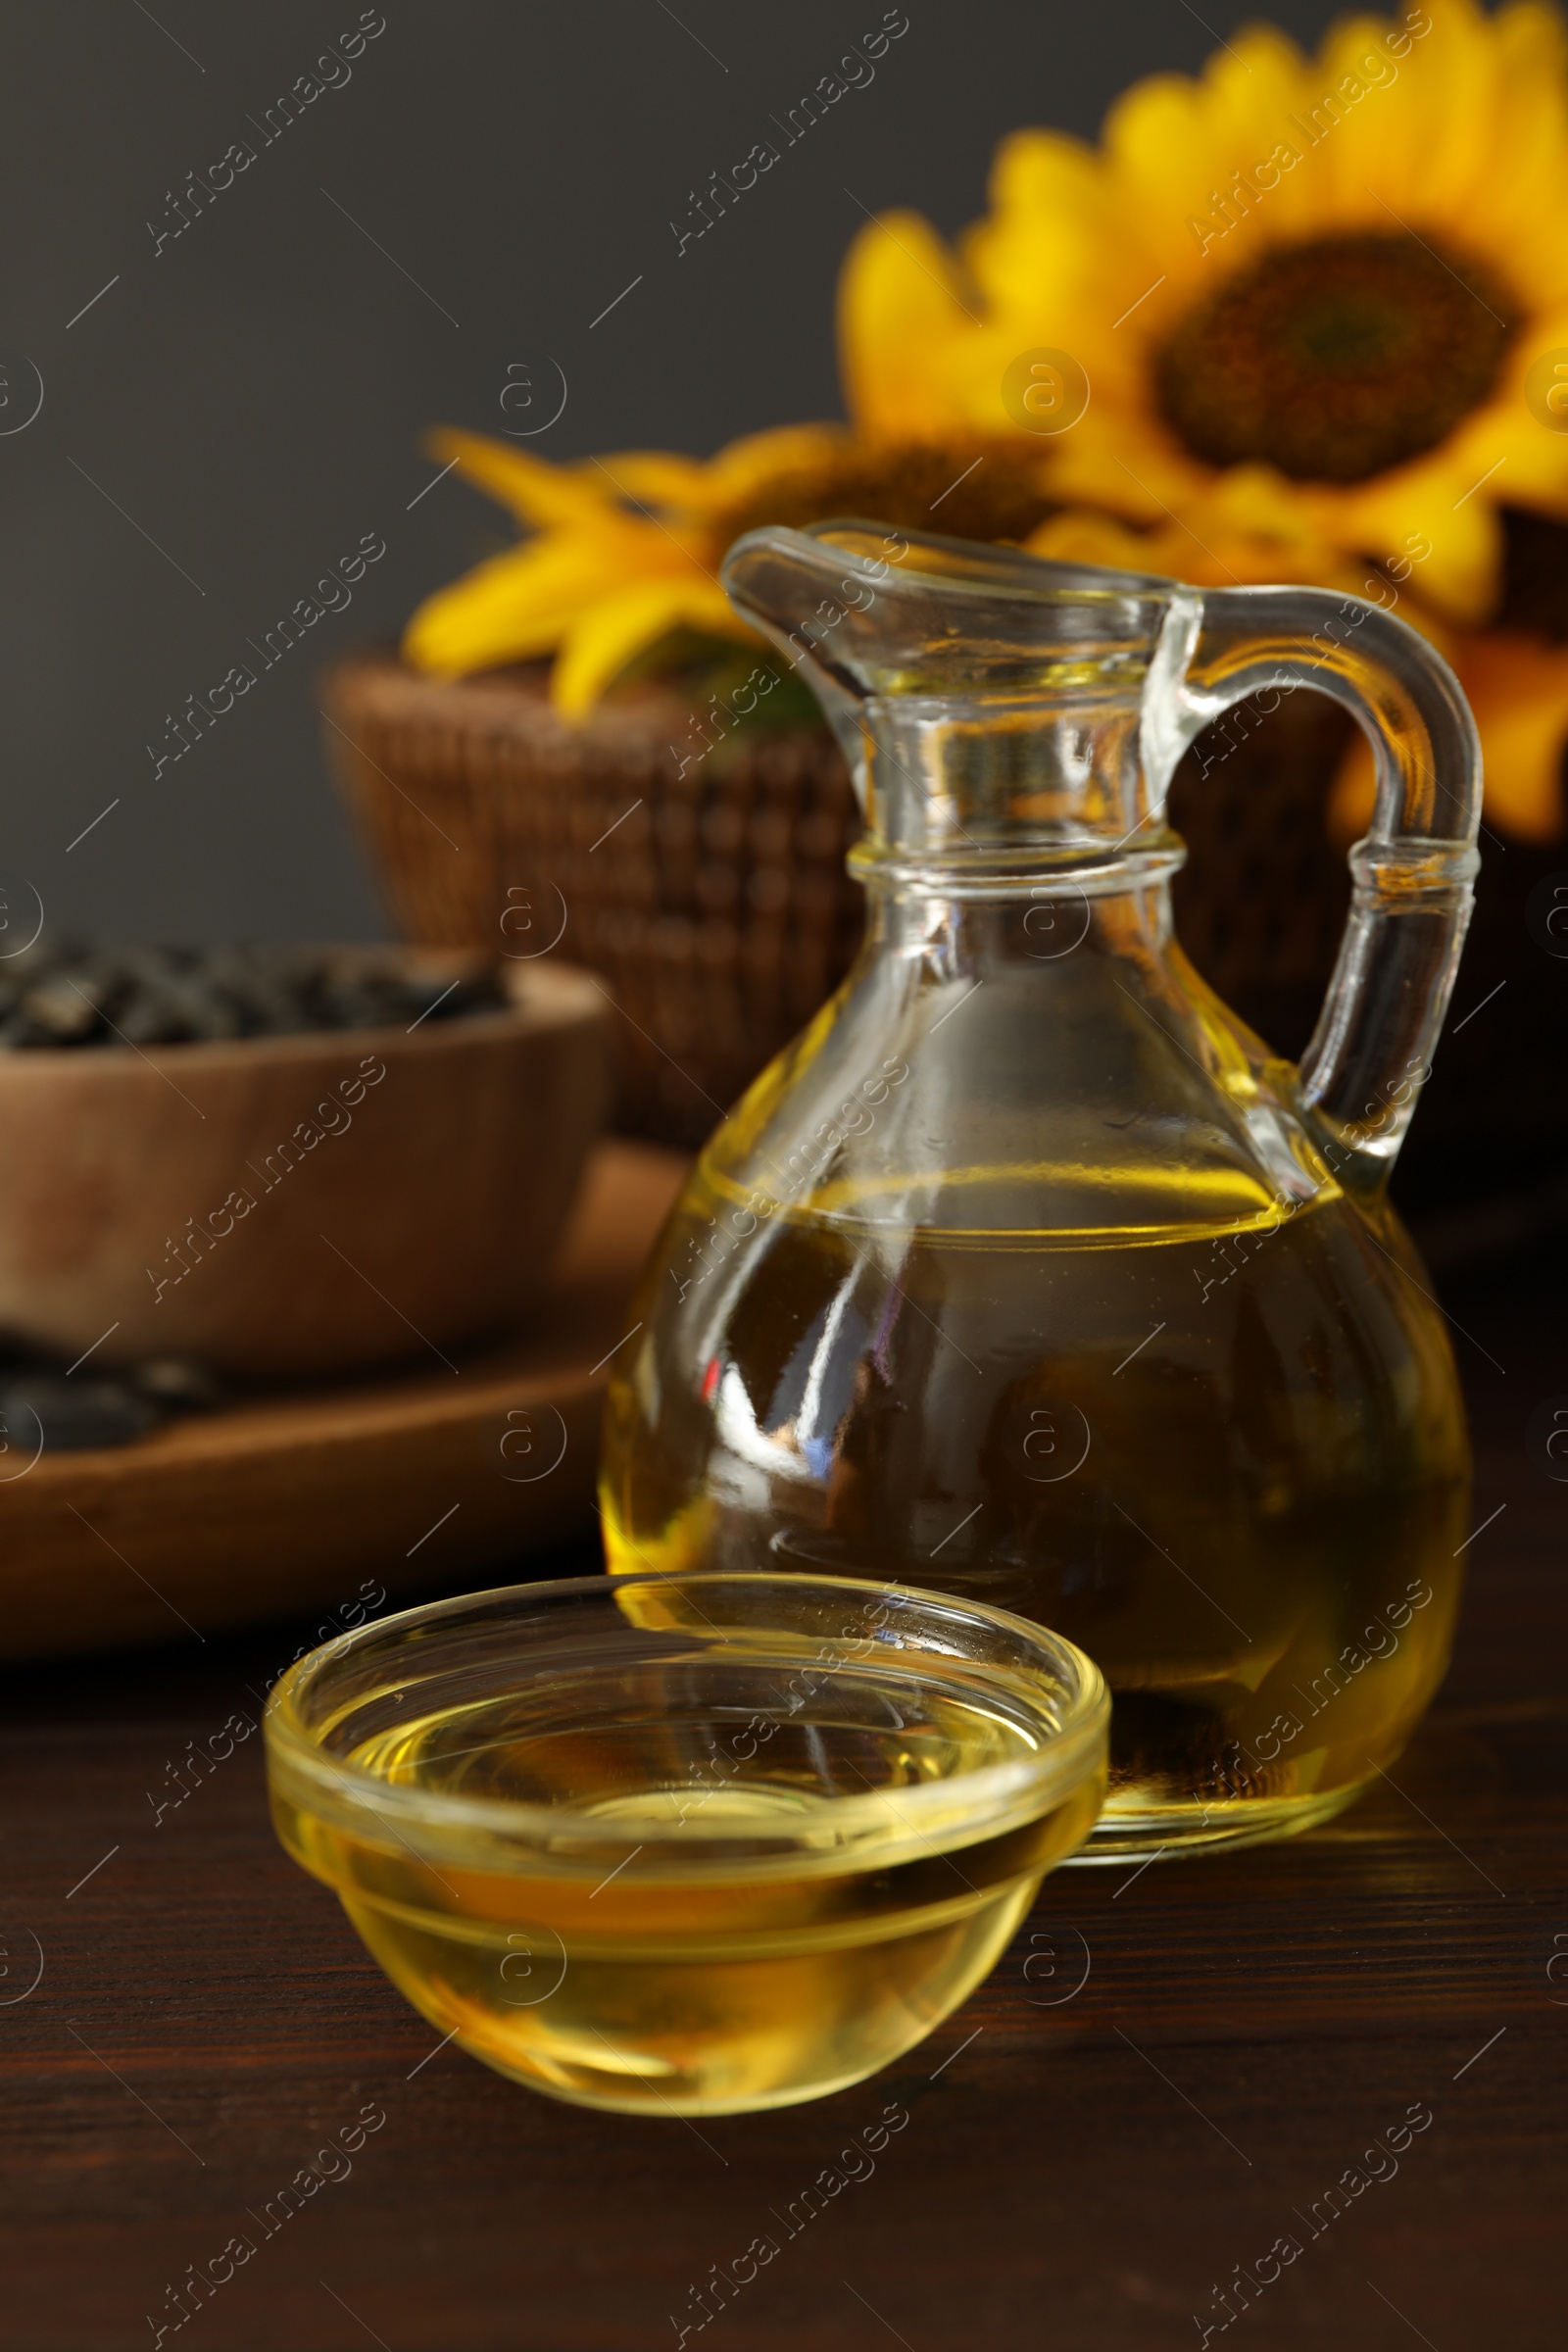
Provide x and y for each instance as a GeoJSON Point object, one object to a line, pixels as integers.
{"type": "Point", "coordinates": [992, 707]}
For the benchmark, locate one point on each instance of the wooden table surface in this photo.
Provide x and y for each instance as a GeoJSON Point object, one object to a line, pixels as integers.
{"type": "Point", "coordinates": [1083, 2164]}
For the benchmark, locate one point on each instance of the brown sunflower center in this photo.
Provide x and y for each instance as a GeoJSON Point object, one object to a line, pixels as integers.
{"type": "Point", "coordinates": [976, 492]}
{"type": "Point", "coordinates": [1335, 359]}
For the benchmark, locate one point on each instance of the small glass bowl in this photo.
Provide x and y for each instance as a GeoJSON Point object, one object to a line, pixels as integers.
{"type": "Point", "coordinates": [688, 1843]}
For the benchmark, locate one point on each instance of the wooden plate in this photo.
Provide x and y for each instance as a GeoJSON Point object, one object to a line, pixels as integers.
{"type": "Point", "coordinates": [317, 1497]}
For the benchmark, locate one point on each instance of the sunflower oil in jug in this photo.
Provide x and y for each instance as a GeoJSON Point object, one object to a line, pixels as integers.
{"type": "Point", "coordinates": [1028, 1273]}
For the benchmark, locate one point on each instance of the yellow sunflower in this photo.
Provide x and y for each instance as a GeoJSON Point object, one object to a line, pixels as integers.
{"type": "Point", "coordinates": [1322, 311]}
{"type": "Point", "coordinates": [1315, 310]}
{"type": "Point", "coordinates": [625, 550]}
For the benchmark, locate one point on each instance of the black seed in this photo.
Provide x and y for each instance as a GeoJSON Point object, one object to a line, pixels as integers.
{"type": "Point", "coordinates": [71, 1413]}
{"type": "Point", "coordinates": [63, 993]}
{"type": "Point", "coordinates": [63, 1007]}
{"type": "Point", "coordinates": [178, 1385]}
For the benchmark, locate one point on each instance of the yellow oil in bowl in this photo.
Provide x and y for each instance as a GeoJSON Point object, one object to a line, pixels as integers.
{"type": "Point", "coordinates": [688, 1844]}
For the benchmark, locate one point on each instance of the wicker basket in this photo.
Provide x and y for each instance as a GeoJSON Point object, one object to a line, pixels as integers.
{"type": "Point", "coordinates": [715, 908]}
{"type": "Point", "coordinates": [714, 904]}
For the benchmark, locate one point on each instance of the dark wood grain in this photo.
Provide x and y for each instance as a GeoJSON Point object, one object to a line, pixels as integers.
{"type": "Point", "coordinates": [1075, 2173]}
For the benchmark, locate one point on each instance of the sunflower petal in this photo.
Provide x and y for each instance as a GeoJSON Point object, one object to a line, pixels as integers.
{"type": "Point", "coordinates": [1518, 690]}
{"type": "Point", "coordinates": [536, 492]}
{"type": "Point", "coordinates": [520, 604]}
{"type": "Point", "coordinates": [1080, 535]}
{"type": "Point", "coordinates": [743, 467]}
{"type": "Point", "coordinates": [661, 478]}
{"type": "Point", "coordinates": [1512, 433]}
{"type": "Point", "coordinates": [1433, 512]}
{"type": "Point", "coordinates": [602, 641]}
{"type": "Point", "coordinates": [899, 310]}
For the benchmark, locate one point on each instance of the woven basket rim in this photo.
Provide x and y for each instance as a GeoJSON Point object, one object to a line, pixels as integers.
{"type": "Point", "coordinates": [374, 682]}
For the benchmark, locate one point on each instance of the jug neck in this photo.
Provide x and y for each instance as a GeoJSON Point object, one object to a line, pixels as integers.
{"type": "Point", "coordinates": [1002, 717]}
{"type": "Point", "coordinates": [988, 798]}
{"type": "Point", "coordinates": [1039, 930]}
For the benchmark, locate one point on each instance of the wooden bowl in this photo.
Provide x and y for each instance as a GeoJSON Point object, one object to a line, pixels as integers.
{"type": "Point", "coordinates": [298, 1206]}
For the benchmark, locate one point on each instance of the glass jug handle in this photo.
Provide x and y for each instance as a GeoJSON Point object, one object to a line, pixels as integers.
{"type": "Point", "coordinates": [1413, 873]}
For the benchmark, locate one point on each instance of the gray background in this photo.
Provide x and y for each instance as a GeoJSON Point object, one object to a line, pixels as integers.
{"type": "Point", "coordinates": [251, 398]}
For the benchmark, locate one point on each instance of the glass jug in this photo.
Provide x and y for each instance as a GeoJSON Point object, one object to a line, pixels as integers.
{"type": "Point", "coordinates": [1028, 1272]}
